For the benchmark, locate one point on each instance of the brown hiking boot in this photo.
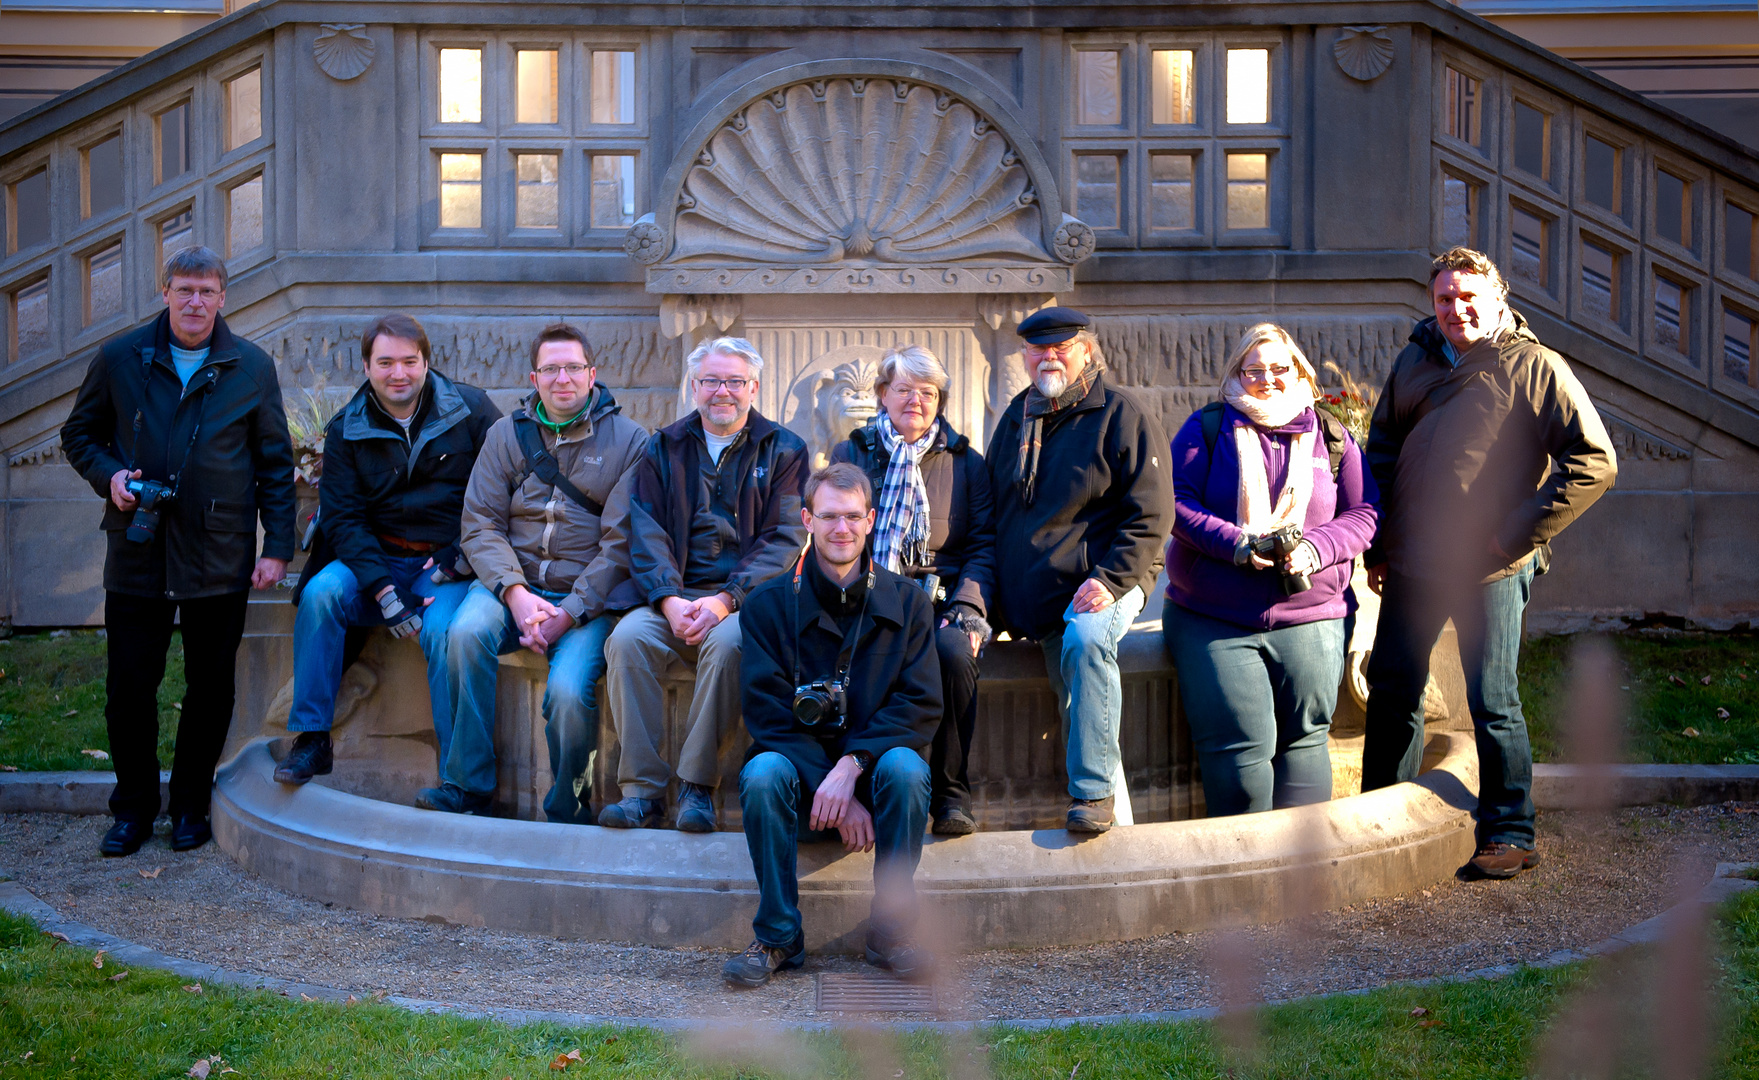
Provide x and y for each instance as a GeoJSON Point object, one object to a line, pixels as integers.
{"type": "Point", "coordinates": [1090, 815]}
{"type": "Point", "coordinates": [1498, 860]}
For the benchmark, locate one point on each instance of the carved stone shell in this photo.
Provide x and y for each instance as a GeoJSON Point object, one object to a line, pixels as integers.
{"type": "Point", "coordinates": [343, 50]}
{"type": "Point", "coordinates": [862, 170]}
{"type": "Point", "coordinates": [1363, 52]}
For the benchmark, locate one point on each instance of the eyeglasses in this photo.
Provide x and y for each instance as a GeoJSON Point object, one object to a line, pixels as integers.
{"type": "Point", "coordinates": [1061, 350]}
{"type": "Point", "coordinates": [184, 294]}
{"type": "Point", "coordinates": [1265, 374]}
{"type": "Point", "coordinates": [928, 395]}
{"type": "Point", "coordinates": [850, 520]}
{"type": "Point", "coordinates": [713, 385]}
{"type": "Point", "coordinates": [575, 371]}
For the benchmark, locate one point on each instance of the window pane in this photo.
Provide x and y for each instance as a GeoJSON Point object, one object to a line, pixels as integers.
{"type": "Point", "coordinates": [1098, 89]}
{"type": "Point", "coordinates": [173, 142]}
{"type": "Point", "coordinates": [1600, 181]}
{"type": "Point", "coordinates": [1531, 130]}
{"type": "Point", "coordinates": [1672, 314]}
{"type": "Point", "coordinates": [1097, 194]}
{"type": "Point", "coordinates": [244, 217]}
{"type": "Point", "coordinates": [1463, 107]}
{"type": "Point", "coordinates": [1737, 347]}
{"type": "Point", "coordinates": [1248, 188]}
{"type": "Point", "coordinates": [104, 176]}
{"type": "Point", "coordinates": [1171, 191]}
{"type": "Point", "coordinates": [1600, 281]}
{"type": "Point", "coordinates": [175, 234]}
{"type": "Point", "coordinates": [30, 320]}
{"type": "Point", "coordinates": [1459, 212]}
{"type": "Point", "coordinates": [613, 88]}
{"type": "Point", "coordinates": [538, 87]}
{"type": "Point", "coordinates": [1673, 217]}
{"type": "Point", "coordinates": [104, 284]}
{"type": "Point", "coordinates": [461, 86]}
{"type": "Point", "coordinates": [1740, 244]}
{"type": "Point", "coordinates": [244, 109]}
{"type": "Point", "coordinates": [535, 204]}
{"type": "Point", "coordinates": [1532, 246]}
{"type": "Point", "coordinates": [613, 191]}
{"type": "Point", "coordinates": [1248, 86]}
{"type": "Point", "coordinates": [461, 191]}
{"type": "Point", "coordinates": [1174, 101]}
{"type": "Point", "coordinates": [30, 211]}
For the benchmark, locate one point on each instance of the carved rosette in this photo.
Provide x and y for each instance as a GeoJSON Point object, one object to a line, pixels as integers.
{"type": "Point", "coordinates": [1074, 240]}
{"type": "Point", "coordinates": [645, 242]}
{"type": "Point", "coordinates": [343, 50]}
{"type": "Point", "coordinates": [1363, 52]}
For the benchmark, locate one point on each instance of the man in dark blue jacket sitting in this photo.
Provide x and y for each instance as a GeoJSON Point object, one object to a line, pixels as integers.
{"type": "Point", "coordinates": [396, 459]}
{"type": "Point", "coordinates": [842, 692]}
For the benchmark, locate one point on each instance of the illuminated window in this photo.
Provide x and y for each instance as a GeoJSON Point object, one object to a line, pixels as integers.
{"type": "Point", "coordinates": [1171, 89]}
{"type": "Point", "coordinates": [1098, 190]}
{"type": "Point", "coordinates": [103, 298]}
{"type": "Point", "coordinates": [461, 86]}
{"type": "Point", "coordinates": [1460, 200]}
{"type": "Point", "coordinates": [103, 176]}
{"type": "Point", "coordinates": [1742, 241]}
{"type": "Point", "coordinates": [1463, 107]}
{"type": "Point", "coordinates": [461, 191]}
{"type": "Point", "coordinates": [1600, 176]}
{"type": "Point", "coordinates": [28, 208]}
{"type": "Point", "coordinates": [539, 87]}
{"type": "Point", "coordinates": [536, 205]}
{"type": "Point", "coordinates": [1600, 282]}
{"type": "Point", "coordinates": [172, 132]}
{"type": "Point", "coordinates": [1673, 208]}
{"type": "Point", "coordinates": [244, 109]}
{"type": "Point", "coordinates": [1738, 344]}
{"type": "Point", "coordinates": [1098, 88]}
{"type": "Point", "coordinates": [613, 88]}
{"type": "Point", "coordinates": [30, 320]}
{"type": "Point", "coordinates": [612, 201]}
{"type": "Point", "coordinates": [1171, 192]}
{"type": "Point", "coordinates": [1248, 191]}
{"type": "Point", "coordinates": [1248, 86]}
{"type": "Point", "coordinates": [1531, 243]}
{"type": "Point", "coordinates": [175, 233]}
{"type": "Point", "coordinates": [244, 217]}
{"type": "Point", "coordinates": [1532, 141]}
{"type": "Point", "coordinates": [1673, 313]}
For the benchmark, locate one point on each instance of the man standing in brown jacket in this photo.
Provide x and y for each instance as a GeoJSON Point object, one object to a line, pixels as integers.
{"type": "Point", "coordinates": [1485, 447]}
{"type": "Point", "coordinates": [545, 516]}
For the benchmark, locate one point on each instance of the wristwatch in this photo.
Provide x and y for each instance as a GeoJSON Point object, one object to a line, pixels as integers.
{"type": "Point", "coordinates": [863, 759]}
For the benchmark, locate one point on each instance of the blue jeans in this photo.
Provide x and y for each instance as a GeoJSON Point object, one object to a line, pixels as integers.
{"type": "Point", "coordinates": [1082, 662]}
{"type": "Point", "coordinates": [330, 603]}
{"type": "Point", "coordinates": [484, 629]}
{"type": "Point", "coordinates": [776, 819]}
{"type": "Point", "coordinates": [1487, 619]}
{"type": "Point", "coordinates": [1259, 704]}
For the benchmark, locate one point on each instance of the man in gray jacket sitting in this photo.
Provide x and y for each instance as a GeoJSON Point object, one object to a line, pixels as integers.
{"type": "Point", "coordinates": [544, 520]}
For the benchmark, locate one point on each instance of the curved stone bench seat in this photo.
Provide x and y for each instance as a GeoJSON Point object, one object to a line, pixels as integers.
{"type": "Point", "coordinates": [989, 890]}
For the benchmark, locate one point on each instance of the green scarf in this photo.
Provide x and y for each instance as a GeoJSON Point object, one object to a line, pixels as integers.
{"type": "Point", "coordinates": [558, 426]}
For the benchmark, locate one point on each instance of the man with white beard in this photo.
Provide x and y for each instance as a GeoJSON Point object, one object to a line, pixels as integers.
{"type": "Point", "coordinates": [1084, 504]}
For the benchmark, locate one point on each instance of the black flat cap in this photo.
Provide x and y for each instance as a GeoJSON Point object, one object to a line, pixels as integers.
{"type": "Point", "coordinates": [1052, 325]}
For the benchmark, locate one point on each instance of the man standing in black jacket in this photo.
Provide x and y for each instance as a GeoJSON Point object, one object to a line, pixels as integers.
{"type": "Point", "coordinates": [396, 459]}
{"type": "Point", "coordinates": [1084, 504]}
{"type": "Point", "coordinates": [849, 750]}
{"type": "Point", "coordinates": [179, 426]}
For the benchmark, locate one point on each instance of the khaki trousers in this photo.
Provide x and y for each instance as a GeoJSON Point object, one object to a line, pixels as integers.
{"type": "Point", "coordinates": [641, 653]}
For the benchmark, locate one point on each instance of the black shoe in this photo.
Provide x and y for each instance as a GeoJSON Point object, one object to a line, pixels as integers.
{"type": "Point", "coordinates": [696, 808]}
{"type": "Point", "coordinates": [125, 838]}
{"type": "Point", "coordinates": [954, 821]}
{"type": "Point", "coordinates": [634, 812]}
{"type": "Point", "coordinates": [190, 831]}
{"type": "Point", "coordinates": [452, 800]}
{"type": "Point", "coordinates": [311, 756]}
{"type": "Point", "coordinates": [758, 962]}
{"type": "Point", "coordinates": [1090, 815]}
{"type": "Point", "coordinates": [902, 959]}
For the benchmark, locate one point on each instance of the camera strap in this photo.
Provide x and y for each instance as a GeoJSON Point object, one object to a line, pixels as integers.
{"type": "Point", "coordinates": [201, 409]}
{"type": "Point", "coordinates": [845, 655]}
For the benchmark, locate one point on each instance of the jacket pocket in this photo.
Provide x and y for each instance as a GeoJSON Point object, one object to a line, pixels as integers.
{"type": "Point", "coordinates": [228, 543]}
{"type": "Point", "coordinates": [225, 517]}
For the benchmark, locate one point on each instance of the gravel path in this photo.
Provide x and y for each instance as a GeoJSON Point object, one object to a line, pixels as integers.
{"type": "Point", "coordinates": [1598, 878]}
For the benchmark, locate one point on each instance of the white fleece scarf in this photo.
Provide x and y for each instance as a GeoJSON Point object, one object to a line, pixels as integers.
{"type": "Point", "coordinates": [1254, 510]}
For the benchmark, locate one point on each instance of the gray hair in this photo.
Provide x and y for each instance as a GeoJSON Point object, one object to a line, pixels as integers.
{"type": "Point", "coordinates": [726, 346]}
{"type": "Point", "coordinates": [1259, 334]}
{"type": "Point", "coordinates": [1094, 355]}
{"type": "Point", "coordinates": [195, 262]}
{"type": "Point", "coordinates": [914, 362]}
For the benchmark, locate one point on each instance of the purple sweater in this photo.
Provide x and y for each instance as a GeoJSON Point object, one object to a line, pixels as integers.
{"type": "Point", "coordinates": [1201, 575]}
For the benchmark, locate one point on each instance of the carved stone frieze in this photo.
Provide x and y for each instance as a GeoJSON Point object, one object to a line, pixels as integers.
{"type": "Point", "coordinates": [836, 280]}
{"type": "Point", "coordinates": [1190, 350]}
{"type": "Point", "coordinates": [1635, 444]}
{"type": "Point", "coordinates": [44, 452]}
{"type": "Point", "coordinates": [343, 50]}
{"type": "Point", "coordinates": [681, 315]}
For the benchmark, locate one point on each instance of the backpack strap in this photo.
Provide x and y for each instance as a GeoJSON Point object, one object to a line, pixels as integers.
{"type": "Point", "coordinates": [1210, 417]}
{"type": "Point", "coordinates": [543, 464]}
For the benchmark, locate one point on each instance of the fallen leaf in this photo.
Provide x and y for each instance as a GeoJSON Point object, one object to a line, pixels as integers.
{"type": "Point", "coordinates": [8, 768]}
{"type": "Point", "coordinates": [193, 988]}
{"type": "Point", "coordinates": [609, 1039]}
{"type": "Point", "coordinates": [153, 873]}
{"type": "Point", "coordinates": [1676, 680]}
{"type": "Point", "coordinates": [1705, 680]}
{"type": "Point", "coordinates": [306, 997]}
{"type": "Point", "coordinates": [562, 1061]}
{"type": "Point", "coordinates": [1722, 714]}
{"type": "Point", "coordinates": [119, 976]}
{"type": "Point", "coordinates": [1419, 1011]}
{"type": "Point", "coordinates": [1690, 733]}
{"type": "Point", "coordinates": [98, 960]}
{"type": "Point", "coordinates": [71, 712]}
{"type": "Point", "coordinates": [58, 936]}
{"type": "Point", "coordinates": [178, 705]}
{"type": "Point", "coordinates": [1429, 1023]}
{"type": "Point", "coordinates": [200, 1069]}
{"type": "Point", "coordinates": [352, 999]}
{"type": "Point", "coordinates": [101, 755]}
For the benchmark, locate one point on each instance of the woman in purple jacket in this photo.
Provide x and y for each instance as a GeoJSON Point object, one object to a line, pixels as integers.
{"type": "Point", "coordinates": [1260, 659]}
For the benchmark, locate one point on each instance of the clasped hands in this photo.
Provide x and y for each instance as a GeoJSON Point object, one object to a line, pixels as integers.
{"type": "Point", "coordinates": [691, 620]}
{"type": "Point", "coordinates": [834, 806]}
{"type": "Point", "coordinates": [541, 623]}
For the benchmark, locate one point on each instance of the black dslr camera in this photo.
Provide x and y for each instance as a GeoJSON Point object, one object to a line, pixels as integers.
{"type": "Point", "coordinates": [153, 496]}
{"type": "Point", "coordinates": [1277, 546]}
{"type": "Point", "coordinates": [822, 705]}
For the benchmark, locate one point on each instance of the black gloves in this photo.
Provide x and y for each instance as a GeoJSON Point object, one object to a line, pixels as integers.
{"type": "Point", "coordinates": [450, 565]}
{"type": "Point", "coordinates": [402, 611]}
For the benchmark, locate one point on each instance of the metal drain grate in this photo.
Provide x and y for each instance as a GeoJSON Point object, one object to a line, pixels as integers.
{"type": "Point", "coordinates": [850, 992]}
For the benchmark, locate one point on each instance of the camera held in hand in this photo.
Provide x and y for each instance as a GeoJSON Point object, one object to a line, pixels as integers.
{"type": "Point", "coordinates": [1278, 546]}
{"type": "Point", "coordinates": [153, 496]}
{"type": "Point", "coordinates": [822, 705]}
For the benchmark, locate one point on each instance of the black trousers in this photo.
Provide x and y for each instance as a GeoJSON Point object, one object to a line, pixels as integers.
{"type": "Point", "coordinates": [949, 783]}
{"type": "Point", "coordinates": [138, 632]}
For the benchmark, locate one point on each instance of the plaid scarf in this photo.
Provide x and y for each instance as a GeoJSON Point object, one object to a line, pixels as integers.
{"type": "Point", "coordinates": [1032, 424]}
{"type": "Point", "coordinates": [900, 537]}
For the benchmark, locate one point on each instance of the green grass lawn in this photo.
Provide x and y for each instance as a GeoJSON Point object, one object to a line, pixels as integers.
{"type": "Point", "coordinates": [62, 1017]}
{"type": "Point", "coordinates": [52, 701]}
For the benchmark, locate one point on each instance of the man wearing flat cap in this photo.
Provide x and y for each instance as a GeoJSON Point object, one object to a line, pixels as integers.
{"type": "Point", "coordinates": [1084, 503]}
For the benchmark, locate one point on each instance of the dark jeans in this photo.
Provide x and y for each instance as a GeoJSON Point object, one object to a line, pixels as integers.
{"type": "Point", "coordinates": [138, 635]}
{"type": "Point", "coordinates": [950, 755]}
{"type": "Point", "coordinates": [776, 817]}
{"type": "Point", "coordinates": [1487, 619]}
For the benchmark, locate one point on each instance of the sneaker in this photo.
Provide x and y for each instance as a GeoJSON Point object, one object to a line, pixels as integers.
{"type": "Point", "coordinates": [449, 799]}
{"type": "Point", "coordinates": [311, 756]}
{"type": "Point", "coordinates": [758, 962]}
{"type": "Point", "coordinates": [902, 959]}
{"type": "Point", "coordinates": [190, 831]}
{"type": "Point", "coordinates": [1090, 815]}
{"type": "Point", "coordinates": [1498, 860]}
{"type": "Point", "coordinates": [125, 838]}
{"type": "Point", "coordinates": [954, 821]}
{"type": "Point", "coordinates": [696, 808]}
{"type": "Point", "coordinates": [634, 812]}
